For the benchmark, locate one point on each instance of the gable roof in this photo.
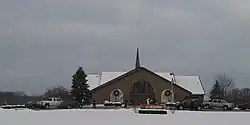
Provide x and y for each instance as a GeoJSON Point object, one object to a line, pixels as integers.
{"type": "Point", "coordinates": [191, 84]}
{"type": "Point", "coordinates": [119, 75]}
{"type": "Point", "coordinates": [93, 80]}
{"type": "Point", "coordinates": [107, 76]}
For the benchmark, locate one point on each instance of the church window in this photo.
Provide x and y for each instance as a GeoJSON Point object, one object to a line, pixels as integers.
{"type": "Point", "coordinates": [142, 87]}
{"type": "Point", "coordinates": [137, 87]}
{"type": "Point", "coordinates": [148, 87]}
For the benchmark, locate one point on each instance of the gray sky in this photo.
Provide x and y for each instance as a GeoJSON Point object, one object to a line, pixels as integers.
{"type": "Point", "coordinates": [44, 41]}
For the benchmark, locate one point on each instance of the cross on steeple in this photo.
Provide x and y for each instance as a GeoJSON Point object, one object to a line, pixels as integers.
{"type": "Point", "coordinates": [137, 63]}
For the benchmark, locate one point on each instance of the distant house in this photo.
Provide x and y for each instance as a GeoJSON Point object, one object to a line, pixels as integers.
{"type": "Point", "coordinates": [140, 84]}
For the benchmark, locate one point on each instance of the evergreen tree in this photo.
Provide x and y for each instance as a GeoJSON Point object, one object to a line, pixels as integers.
{"type": "Point", "coordinates": [80, 91]}
{"type": "Point", "coordinates": [216, 91]}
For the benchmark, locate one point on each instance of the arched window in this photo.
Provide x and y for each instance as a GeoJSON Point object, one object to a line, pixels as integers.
{"type": "Point", "coordinates": [142, 87]}
{"type": "Point", "coordinates": [148, 87]}
{"type": "Point", "coordinates": [137, 87]}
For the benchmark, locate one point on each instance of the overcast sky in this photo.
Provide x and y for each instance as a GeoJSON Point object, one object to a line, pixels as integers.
{"type": "Point", "coordinates": [42, 42]}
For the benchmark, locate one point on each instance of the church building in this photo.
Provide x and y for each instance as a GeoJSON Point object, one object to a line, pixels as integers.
{"type": "Point", "coordinates": [140, 84]}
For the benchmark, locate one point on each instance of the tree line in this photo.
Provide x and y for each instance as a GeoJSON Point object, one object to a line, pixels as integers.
{"type": "Point", "coordinates": [79, 92]}
{"type": "Point", "coordinates": [224, 88]}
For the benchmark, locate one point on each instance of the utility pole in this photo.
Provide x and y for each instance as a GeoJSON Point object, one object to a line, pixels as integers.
{"type": "Point", "coordinates": [173, 81]}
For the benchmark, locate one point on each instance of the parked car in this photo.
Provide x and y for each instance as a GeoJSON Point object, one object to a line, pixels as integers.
{"type": "Point", "coordinates": [50, 102]}
{"type": "Point", "coordinates": [189, 104]}
{"type": "Point", "coordinates": [34, 105]}
{"type": "Point", "coordinates": [69, 104]}
{"type": "Point", "coordinates": [244, 106]}
{"type": "Point", "coordinates": [218, 103]}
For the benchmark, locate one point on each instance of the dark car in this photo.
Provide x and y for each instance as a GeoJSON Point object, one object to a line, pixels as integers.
{"type": "Point", "coordinates": [244, 106]}
{"type": "Point", "coordinates": [189, 104]}
{"type": "Point", "coordinates": [34, 105]}
{"type": "Point", "coordinates": [69, 104]}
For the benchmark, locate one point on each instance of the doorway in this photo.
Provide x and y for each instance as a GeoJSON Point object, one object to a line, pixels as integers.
{"type": "Point", "coordinates": [141, 91]}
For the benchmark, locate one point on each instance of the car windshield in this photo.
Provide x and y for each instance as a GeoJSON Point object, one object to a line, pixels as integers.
{"type": "Point", "coordinates": [223, 101]}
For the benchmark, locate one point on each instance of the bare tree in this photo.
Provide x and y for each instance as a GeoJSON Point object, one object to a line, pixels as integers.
{"type": "Point", "coordinates": [245, 94]}
{"type": "Point", "coordinates": [226, 83]}
{"type": "Point", "coordinates": [234, 95]}
{"type": "Point", "coordinates": [58, 91]}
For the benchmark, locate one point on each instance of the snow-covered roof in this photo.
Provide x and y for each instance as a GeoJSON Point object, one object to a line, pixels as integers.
{"type": "Point", "coordinates": [165, 75]}
{"type": "Point", "coordinates": [107, 76]}
{"type": "Point", "coordinates": [190, 83]}
{"type": "Point", "coordinates": [93, 80]}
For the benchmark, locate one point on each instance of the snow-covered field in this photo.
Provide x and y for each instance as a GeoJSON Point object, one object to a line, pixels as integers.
{"type": "Point", "coordinates": [119, 117]}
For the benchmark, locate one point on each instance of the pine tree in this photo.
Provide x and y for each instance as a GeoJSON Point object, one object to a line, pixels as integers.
{"type": "Point", "coordinates": [216, 91]}
{"type": "Point", "coordinates": [80, 91]}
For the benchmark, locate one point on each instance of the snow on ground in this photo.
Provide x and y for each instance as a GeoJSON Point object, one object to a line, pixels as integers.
{"type": "Point", "coordinates": [119, 117]}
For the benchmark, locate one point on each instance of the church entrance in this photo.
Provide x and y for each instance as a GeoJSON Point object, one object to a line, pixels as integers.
{"type": "Point", "coordinates": [140, 92]}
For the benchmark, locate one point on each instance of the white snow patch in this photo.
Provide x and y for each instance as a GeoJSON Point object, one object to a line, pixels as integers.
{"type": "Point", "coordinates": [10, 105]}
{"type": "Point", "coordinates": [165, 75]}
{"type": "Point", "coordinates": [120, 117]}
{"type": "Point", "coordinates": [93, 80]}
{"type": "Point", "coordinates": [108, 76]}
{"type": "Point", "coordinates": [191, 83]}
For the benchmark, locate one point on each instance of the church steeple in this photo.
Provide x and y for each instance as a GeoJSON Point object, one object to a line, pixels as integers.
{"type": "Point", "coordinates": [137, 63]}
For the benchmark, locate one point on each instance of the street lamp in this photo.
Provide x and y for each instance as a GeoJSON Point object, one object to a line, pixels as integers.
{"type": "Point", "coordinates": [173, 80]}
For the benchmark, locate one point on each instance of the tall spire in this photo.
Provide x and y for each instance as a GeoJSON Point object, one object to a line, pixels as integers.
{"type": "Point", "coordinates": [137, 64]}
